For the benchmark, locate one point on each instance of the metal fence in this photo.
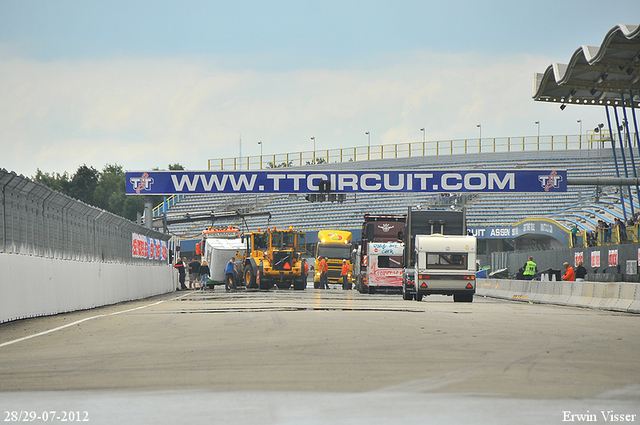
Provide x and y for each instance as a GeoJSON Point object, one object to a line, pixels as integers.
{"type": "Point", "coordinates": [410, 149]}
{"type": "Point", "coordinates": [36, 220]}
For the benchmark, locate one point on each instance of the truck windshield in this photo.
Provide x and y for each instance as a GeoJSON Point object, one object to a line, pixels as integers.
{"type": "Point", "coordinates": [330, 250]}
{"type": "Point", "coordinates": [283, 240]}
{"type": "Point", "coordinates": [446, 261]}
{"type": "Point", "coordinates": [261, 241]}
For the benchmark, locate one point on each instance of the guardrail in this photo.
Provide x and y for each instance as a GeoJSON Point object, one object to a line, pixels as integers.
{"type": "Point", "coordinates": [38, 221]}
{"type": "Point", "coordinates": [411, 149]}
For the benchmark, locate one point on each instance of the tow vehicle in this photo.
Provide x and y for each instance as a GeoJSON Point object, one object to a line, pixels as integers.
{"type": "Point", "coordinates": [273, 257]}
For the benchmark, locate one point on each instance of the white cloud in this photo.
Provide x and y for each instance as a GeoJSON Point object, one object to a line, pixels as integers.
{"type": "Point", "coordinates": [144, 113]}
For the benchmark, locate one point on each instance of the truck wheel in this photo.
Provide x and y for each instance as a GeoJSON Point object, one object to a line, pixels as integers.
{"type": "Point", "coordinates": [249, 277]}
{"type": "Point", "coordinates": [406, 296]}
{"type": "Point", "coordinates": [418, 297]}
{"type": "Point", "coordinates": [462, 298]}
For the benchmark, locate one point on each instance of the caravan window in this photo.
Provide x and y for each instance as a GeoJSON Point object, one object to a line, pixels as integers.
{"type": "Point", "coordinates": [445, 260]}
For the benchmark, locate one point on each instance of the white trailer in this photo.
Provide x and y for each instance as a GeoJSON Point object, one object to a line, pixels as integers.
{"type": "Point", "coordinates": [445, 264]}
{"type": "Point", "coordinates": [218, 252]}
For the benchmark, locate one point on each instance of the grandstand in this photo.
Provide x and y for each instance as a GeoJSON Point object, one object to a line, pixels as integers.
{"type": "Point", "coordinates": [580, 205]}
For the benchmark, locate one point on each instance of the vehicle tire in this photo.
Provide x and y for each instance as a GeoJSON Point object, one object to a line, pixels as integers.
{"type": "Point", "coordinates": [462, 297]}
{"type": "Point", "coordinates": [249, 277]}
{"type": "Point", "coordinates": [406, 296]}
{"type": "Point", "coordinates": [419, 297]}
{"type": "Point", "coordinates": [316, 285]}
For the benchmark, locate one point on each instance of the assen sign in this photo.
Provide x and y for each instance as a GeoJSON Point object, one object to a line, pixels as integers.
{"type": "Point", "coordinates": [280, 180]}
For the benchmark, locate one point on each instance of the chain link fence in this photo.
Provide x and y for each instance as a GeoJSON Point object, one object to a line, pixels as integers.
{"type": "Point", "coordinates": [38, 221]}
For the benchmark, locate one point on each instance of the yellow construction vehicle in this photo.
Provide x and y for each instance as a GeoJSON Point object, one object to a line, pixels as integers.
{"type": "Point", "coordinates": [272, 257]}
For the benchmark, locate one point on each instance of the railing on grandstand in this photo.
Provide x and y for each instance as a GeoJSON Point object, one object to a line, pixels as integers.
{"type": "Point", "coordinates": [160, 209]}
{"type": "Point", "coordinates": [604, 237]}
{"type": "Point", "coordinates": [410, 149]}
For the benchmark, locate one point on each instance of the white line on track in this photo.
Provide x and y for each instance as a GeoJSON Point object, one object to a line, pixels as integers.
{"type": "Point", "coordinates": [4, 344]}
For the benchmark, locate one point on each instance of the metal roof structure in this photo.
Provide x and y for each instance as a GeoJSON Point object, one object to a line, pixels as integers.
{"type": "Point", "coordinates": [605, 75]}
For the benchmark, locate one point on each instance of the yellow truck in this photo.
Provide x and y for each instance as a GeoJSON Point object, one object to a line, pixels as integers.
{"type": "Point", "coordinates": [273, 257]}
{"type": "Point", "coordinates": [334, 246]}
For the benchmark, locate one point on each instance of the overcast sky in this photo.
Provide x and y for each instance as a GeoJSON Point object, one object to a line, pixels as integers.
{"type": "Point", "coordinates": [146, 84]}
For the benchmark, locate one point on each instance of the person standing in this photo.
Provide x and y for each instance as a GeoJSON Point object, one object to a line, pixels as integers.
{"type": "Point", "coordinates": [324, 270]}
{"type": "Point", "coordinates": [580, 272]}
{"type": "Point", "coordinates": [194, 273]}
{"type": "Point", "coordinates": [181, 274]}
{"type": "Point", "coordinates": [569, 274]}
{"type": "Point", "coordinates": [574, 235]}
{"type": "Point", "coordinates": [228, 275]}
{"type": "Point", "coordinates": [345, 275]}
{"type": "Point", "coordinates": [204, 274]}
{"type": "Point", "coordinates": [530, 269]}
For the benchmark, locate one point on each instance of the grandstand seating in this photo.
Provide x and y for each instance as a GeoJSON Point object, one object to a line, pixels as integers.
{"type": "Point", "coordinates": [581, 205]}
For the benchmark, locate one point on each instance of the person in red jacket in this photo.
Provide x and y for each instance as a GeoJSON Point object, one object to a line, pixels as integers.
{"type": "Point", "coordinates": [345, 275]}
{"type": "Point", "coordinates": [324, 269]}
{"type": "Point", "coordinates": [569, 274]}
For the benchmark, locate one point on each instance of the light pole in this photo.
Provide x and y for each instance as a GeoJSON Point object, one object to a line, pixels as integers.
{"type": "Point", "coordinates": [260, 143]}
{"type": "Point", "coordinates": [480, 128]}
{"type": "Point", "coordinates": [424, 135]}
{"type": "Point", "coordinates": [314, 149]}
{"type": "Point", "coordinates": [368, 144]}
{"type": "Point", "coordinates": [580, 134]}
{"type": "Point", "coordinates": [538, 139]}
{"type": "Point", "coordinates": [538, 124]}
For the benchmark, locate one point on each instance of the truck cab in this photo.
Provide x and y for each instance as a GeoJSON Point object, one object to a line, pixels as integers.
{"type": "Point", "coordinates": [334, 246]}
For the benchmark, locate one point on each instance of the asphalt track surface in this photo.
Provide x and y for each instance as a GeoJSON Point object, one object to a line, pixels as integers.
{"type": "Point", "coordinates": [321, 357]}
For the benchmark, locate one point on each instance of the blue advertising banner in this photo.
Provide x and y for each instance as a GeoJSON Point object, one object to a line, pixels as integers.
{"type": "Point", "coordinates": [280, 180]}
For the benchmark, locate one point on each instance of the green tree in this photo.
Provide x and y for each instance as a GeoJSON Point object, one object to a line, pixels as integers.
{"type": "Point", "coordinates": [84, 183]}
{"type": "Point", "coordinates": [110, 192]}
{"type": "Point", "coordinates": [58, 182]}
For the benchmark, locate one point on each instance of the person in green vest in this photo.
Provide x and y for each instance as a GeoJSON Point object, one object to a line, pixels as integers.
{"type": "Point", "coordinates": [530, 269]}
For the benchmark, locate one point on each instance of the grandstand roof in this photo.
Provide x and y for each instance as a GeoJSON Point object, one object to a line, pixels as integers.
{"type": "Point", "coordinates": [596, 75]}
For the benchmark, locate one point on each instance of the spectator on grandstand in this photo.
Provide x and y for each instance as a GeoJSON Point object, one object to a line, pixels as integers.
{"type": "Point", "coordinates": [574, 234]}
{"type": "Point", "coordinates": [569, 274]}
{"type": "Point", "coordinates": [622, 229]}
{"type": "Point", "coordinates": [592, 239]}
{"type": "Point", "coordinates": [580, 272]}
{"type": "Point", "coordinates": [194, 273]}
{"type": "Point", "coordinates": [204, 274]}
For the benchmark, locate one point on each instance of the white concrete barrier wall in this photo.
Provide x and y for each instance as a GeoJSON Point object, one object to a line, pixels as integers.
{"type": "Point", "coordinates": [35, 286]}
{"type": "Point", "coordinates": [618, 296]}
